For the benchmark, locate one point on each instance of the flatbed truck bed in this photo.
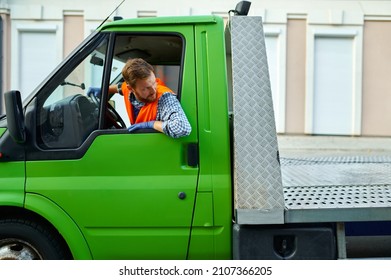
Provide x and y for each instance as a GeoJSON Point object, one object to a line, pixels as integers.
{"type": "Point", "coordinates": [298, 203]}
{"type": "Point", "coordinates": [337, 188]}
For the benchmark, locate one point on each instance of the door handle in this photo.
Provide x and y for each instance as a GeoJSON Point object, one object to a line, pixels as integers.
{"type": "Point", "coordinates": [192, 154]}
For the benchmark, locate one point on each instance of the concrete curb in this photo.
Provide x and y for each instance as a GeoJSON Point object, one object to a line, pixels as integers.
{"type": "Point", "coordinates": [334, 144]}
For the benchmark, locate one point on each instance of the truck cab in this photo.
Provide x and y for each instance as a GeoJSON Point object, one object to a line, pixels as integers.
{"type": "Point", "coordinates": [76, 184]}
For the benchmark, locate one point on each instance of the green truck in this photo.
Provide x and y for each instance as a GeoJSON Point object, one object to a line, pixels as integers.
{"type": "Point", "coordinates": [75, 184]}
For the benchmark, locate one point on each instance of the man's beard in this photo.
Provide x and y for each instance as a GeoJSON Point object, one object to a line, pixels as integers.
{"type": "Point", "coordinates": [150, 98]}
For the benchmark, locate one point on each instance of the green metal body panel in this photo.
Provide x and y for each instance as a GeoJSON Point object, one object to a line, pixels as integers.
{"type": "Point", "coordinates": [120, 200]}
{"type": "Point", "coordinates": [12, 176]}
{"type": "Point", "coordinates": [124, 198]}
{"type": "Point", "coordinates": [161, 22]}
{"type": "Point", "coordinates": [213, 119]}
{"type": "Point", "coordinates": [62, 222]}
{"type": "Point", "coordinates": [203, 230]}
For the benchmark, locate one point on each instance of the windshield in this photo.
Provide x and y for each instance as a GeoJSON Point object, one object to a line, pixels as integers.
{"type": "Point", "coordinates": [80, 48]}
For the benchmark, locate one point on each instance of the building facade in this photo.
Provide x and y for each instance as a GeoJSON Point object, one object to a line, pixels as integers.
{"type": "Point", "coordinates": [329, 61]}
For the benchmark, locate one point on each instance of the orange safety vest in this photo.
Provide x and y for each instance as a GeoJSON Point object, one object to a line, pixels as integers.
{"type": "Point", "coordinates": [149, 111]}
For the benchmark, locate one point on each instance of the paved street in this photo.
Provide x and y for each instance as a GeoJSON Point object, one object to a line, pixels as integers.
{"type": "Point", "coordinates": [333, 145]}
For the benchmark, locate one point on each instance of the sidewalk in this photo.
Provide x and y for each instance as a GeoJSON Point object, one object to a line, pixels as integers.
{"type": "Point", "coordinates": [333, 145]}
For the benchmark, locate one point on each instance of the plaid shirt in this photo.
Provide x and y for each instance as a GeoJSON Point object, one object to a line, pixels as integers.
{"type": "Point", "coordinates": [170, 112]}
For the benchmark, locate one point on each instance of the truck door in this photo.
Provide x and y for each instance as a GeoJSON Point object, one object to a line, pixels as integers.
{"type": "Point", "coordinates": [132, 195]}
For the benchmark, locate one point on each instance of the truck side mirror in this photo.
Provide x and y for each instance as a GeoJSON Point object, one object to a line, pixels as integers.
{"type": "Point", "coordinates": [15, 117]}
{"type": "Point", "coordinates": [96, 60]}
{"type": "Point", "coordinates": [242, 8]}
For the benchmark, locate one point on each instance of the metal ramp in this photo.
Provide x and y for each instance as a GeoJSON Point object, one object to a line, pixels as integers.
{"type": "Point", "coordinates": [258, 192]}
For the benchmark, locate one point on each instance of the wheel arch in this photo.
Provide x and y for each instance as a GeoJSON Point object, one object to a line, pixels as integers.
{"type": "Point", "coordinates": [44, 211]}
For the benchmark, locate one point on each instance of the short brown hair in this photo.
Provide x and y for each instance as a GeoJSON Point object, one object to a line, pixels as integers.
{"type": "Point", "coordinates": [136, 69]}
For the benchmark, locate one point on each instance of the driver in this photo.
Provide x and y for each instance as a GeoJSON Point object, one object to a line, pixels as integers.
{"type": "Point", "coordinates": [149, 103]}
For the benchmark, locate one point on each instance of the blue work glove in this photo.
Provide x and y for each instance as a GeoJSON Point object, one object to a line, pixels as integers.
{"type": "Point", "coordinates": [143, 125]}
{"type": "Point", "coordinates": [96, 91]}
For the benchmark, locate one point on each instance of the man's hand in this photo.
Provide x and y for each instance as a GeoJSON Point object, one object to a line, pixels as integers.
{"type": "Point", "coordinates": [143, 125]}
{"type": "Point", "coordinates": [96, 91]}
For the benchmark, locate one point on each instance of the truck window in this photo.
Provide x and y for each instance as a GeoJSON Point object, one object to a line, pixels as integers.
{"type": "Point", "coordinates": [66, 114]}
{"type": "Point", "coordinates": [163, 51]}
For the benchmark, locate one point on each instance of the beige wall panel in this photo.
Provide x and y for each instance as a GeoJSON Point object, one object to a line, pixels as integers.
{"type": "Point", "coordinates": [295, 76]}
{"type": "Point", "coordinates": [73, 32]}
{"type": "Point", "coordinates": [376, 118]}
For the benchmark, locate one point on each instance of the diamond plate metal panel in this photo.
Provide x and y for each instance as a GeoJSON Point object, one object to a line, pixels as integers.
{"type": "Point", "coordinates": [257, 174]}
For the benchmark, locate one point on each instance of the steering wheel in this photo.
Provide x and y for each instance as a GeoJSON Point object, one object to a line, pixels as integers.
{"type": "Point", "coordinates": [114, 118]}
{"type": "Point", "coordinates": [111, 114]}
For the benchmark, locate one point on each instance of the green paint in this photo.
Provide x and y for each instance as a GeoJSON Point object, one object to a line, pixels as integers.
{"type": "Point", "coordinates": [2, 130]}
